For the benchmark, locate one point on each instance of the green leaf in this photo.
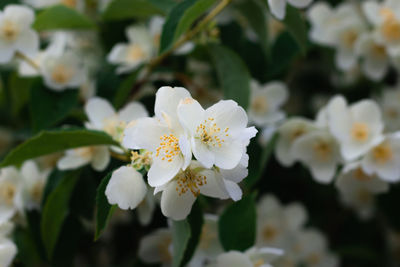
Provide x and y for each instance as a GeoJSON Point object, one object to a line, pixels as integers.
{"type": "Point", "coordinates": [257, 19]}
{"type": "Point", "coordinates": [259, 160]}
{"type": "Point", "coordinates": [127, 9]}
{"type": "Point", "coordinates": [19, 90]}
{"type": "Point", "coordinates": [186, 236]}
{"type": "Point", "coordinates": [237, 225]}
{"type": "Point", "coordinates": [171, 23]}
{"type": "Point", "coordinates": [61, 17]}
{"type": "Point", "coordinates": [191, 15]}
{"type": "Point", "coordinates": [104, 210]}
{"type": "Point", "coordinates": [232, 73]}
{"type": "Point", "coordinates": [48, 142]}
{"type": "Point", "coordinates": [296, 26]}
{"type": "Point", "coordinates": [165, 5]}
{"type": "Point", "coordinates": [180, 240]}
{"type": "Point", "coordinates": [56, 210]}
{"type": "Point", "coordinates": [123, 91]}
{"type": "Point", "coordinates": [48, 107]}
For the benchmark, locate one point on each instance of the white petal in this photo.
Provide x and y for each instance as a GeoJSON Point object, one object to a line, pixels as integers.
{"type": "Point", "coordinates": [233, 259]}
{"type": "Point", "coordinates": [234, 191]}
{"type": "Point", "coordinates": [202, 153]}
{"type": "Point", "coordinates": [162, 171]}
{"type": "Point", "coordinates": [126, 188]}
{"type": "Point", "coordinates": [22, 14]}
{"type": "Point", "coordinates": [8, 251]}
{"type": "Point", "coordinates": [228, 156]}
{"type": "Point", "coordinates": [101, 158]}
{"type": "Point", "coordinates": [71, 161]}
{"type": "Point", "coordinates": [299, 3]}
{"type": "Point", "coordinates": [132, 111]}
{"type": "Point", "coordinates": [215, 186]}
{"type": "Point", "coordinates": [6, 52]}
{"type": "Point", "coordinates": [175, 206]}
{"type": "Point", "coordinates": [98, 109]}
{"type": "Point", "coordinates": [190, 114]}
{"type": "Point", "coordinates": [118, 54]}
{"type": "Point", "coordinates": [345, 60]}
{"type": "Point", "coordinates": [278, 8]}
{"type": "Point", "coordinates": [296, 215]}
{"type": "Point", "coordinates": [153, 248]}
{"type": "Point", "coordinates": [167, 100]}
{"type": "Point", "coordinates": [184, 146]}
{"type": "Point", "coordinates": [28, 42]}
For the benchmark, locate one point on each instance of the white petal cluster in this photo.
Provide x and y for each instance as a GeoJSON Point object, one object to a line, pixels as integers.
{"type": "Point", "coordinates": [278, 7]}
{"type": "Point", "coordinates": [283, 227]}
{"type": "Point", "coordinates": [367, 34]}
{"type": "Point", "coordinates": [181, 129]}
{"type": "Point", "coordinates": [16, 34]}
{"type": "Point", "coordinates": [344, 135]}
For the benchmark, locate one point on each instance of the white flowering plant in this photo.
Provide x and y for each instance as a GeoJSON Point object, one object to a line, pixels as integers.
{"type": "Point", "coordinates": [200, 133]}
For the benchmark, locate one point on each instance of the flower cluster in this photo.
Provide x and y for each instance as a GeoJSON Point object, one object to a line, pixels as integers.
{"type": "Point", "coordinates": [217, 137]}
{"type": "Point", "coordinates": [353, 136]}
{"type": "Point", "coordinates": [368, 33]}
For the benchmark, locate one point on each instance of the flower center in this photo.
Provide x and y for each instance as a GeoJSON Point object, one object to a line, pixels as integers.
{"type": "Point", "coordinates": [349, 38]}
{"type": "Point", "coordinates": [269, 233]}
{"type": "Point", "coordinates": [260, 105]}
{"type": "Point", "coordinates": [141, 160]}
{"type": "Point", "coordinates": [7, 193]}
{"type": "Point", "coordinates": [9, 30]}
{"type": "Point", "coordinates": [69, 3]}
{"type": "Point", "coordinates": [85, 152]}
{"type": "Point", "coordinates": [135, 53]}
{"type": "Point", "coordinates": [323, 150]}
{"type": "Point", "coordinates": [360, 175]}
{"type": "Point", "coordinates": [61, 74]}
{"type": "Point", "coordinates": [392, 113]}
{"type": "Point", "coordinates": [258, 263]}
{"type": "Point", "coordinates": [114, 127]}
{"type": "Point", "coordinates": [190, 180]}
{"type": "Point", "coordinates": [390, 28]}
{"type": "Point", "coordinates": [382, 153]}
{"type": "Point", "coordinates": [360, 132]}
{"type": "Point", "coordinates": [169, 147]}
{"type": "Point", "coordinates": [296, 133]}
{"type": "Point", "coordinates": [379, 51]}
{"type": "Point", "coordinates": [209, 133]}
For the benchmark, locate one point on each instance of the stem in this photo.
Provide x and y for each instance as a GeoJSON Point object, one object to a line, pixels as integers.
{"type": "Point", "coordinates": [189, 35]}
{"type": "Point", "coordinates": [120, 156]}
{"type": "Point", "coordinates": [27, 60]}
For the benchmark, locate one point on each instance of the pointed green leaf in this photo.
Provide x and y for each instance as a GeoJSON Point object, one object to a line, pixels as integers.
{"type": "Point", "coordinates": [127, 9]}
{"type": "Point", "coordinates": [61, 17]}
{"type": "Point", "coordinates": [48, 142]}
{"type": "Point", "coordinates": [296, 26]}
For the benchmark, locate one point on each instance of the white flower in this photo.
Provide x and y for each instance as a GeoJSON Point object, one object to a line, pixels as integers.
{"type": "Point", "coordinates": [314, 250]}
{"type": "Point", "coordinates": [140, 49]}
{"type": "Point", "coordinates": [390, 104]}
{"type": "Point", "coordinates": [34, 181]}
{"type": "Point", "coordinates": [157, 247]}
{"type": "Point", "coordinates": [102, 116]}
{"type": "Point", "coordinates": [62, 72]}
{"type": "Point", "coordinates": [265, 102]}
{"type": "Point", "coordinates": [321, 16]}
{"type": "Point", "coordinates": [319, 151]}
{"type": "Point", "coordinates": [209, 246]}
{"type": "Point", "coordinates": [357, 189]}
{"type": "Point", "coordinates": [126, 188]}
{"type": "Point", "coordinates": [289, 132]}
{"type": "Point", "coordinates": [8, 251]}
{"type": "Point", "coordinates": [357, 128]}
{"type": "Point", "coordinates": [11, 193]}
{"type": "Point", "coordinates": [385, 17]}
{"type": "Point", "coordinates": [278, 7]}
{"type": "Point", "coordinates": [163, 136]}
{"type": "Point", "coordinates": [218, 134]}
{"type": "Point", "coordinates": [276, 224]}
{"type": "Point", "coordinates": [250, 258]}
{"type": "Point", "coordinates": [16, 34]}
{"type": "Point", "coordinates": [375, 57]}
{"type": "Point", "coordinates": [97, 156]}
{"type": "Point", "coordinates": [180, 193]}
{"type": "Point", "coordinates": [384, 159]}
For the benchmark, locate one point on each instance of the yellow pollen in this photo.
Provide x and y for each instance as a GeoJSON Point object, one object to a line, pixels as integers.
{"type": "Point", "coordinates": [360, 132]}
{"type": "Point", "coordinates": [260, 105]}
{"type": "Point", "coordinates": [360, 175]}
{"type": "Point", "coordinates": [258, 263]}
{"type": "Point", "coordinates": [188, 100]}
{"type": "Point", "coordinates": [349, 38]}
{"type": "Point", "coordinates": [69, 3]}
{"type": "Point", "coordinates": [7, 192]}
{"type": "Point", "coordinates": [136, 53]}
{"type": "Point", "coordinates": [269, 233]}
{"type": "Point", "coordinates": [61, 74]}
{"type": "Point", "coordinates": [9, 30]}
{"type": "Point", "coordinates": [390, 28]}
{"type": "Point", "coordinates": [379, 51]}
{"type": "Point", "coordinates": [188, 180]}
{"type": "Point", "coordinates": [382, 153]}
{"type": "Point", "coordinates": [323, 150]}
{"type": "Point", "coordinates": [169, 147]}
{"type": "Point", "coordinates": [210, 134]}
